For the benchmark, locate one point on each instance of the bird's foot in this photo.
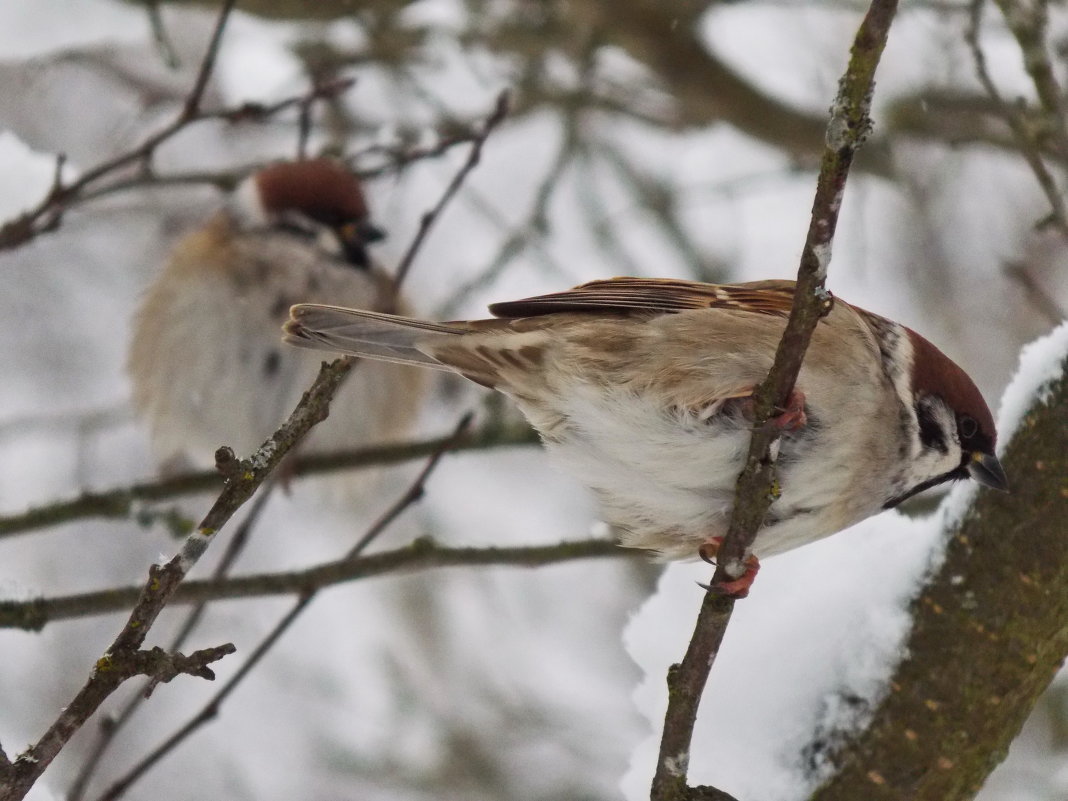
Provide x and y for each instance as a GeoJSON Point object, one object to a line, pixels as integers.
{"type": "Point", "coordinates": [735, 588]}
{"type": "Point", "coordinates": [793, 416]}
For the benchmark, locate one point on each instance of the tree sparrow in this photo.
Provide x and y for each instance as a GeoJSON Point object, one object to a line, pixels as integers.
{"type": "Point", "coordinates": [641, 387]}
{"type": "Point", "coordinates": [205, 360]}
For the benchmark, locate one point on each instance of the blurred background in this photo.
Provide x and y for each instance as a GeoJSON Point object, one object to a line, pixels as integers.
{"type": "Point", "coordinates": [676, 139]}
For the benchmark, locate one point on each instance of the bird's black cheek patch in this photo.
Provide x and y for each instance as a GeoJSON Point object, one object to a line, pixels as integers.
{"type": "Point", "coordinates": [931, 434]}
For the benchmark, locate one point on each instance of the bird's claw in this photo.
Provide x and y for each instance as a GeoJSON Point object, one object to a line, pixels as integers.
{"type": "Point", "coordinates": [735, 588]}
{"type": "Point", "coordinates": [793, 416]}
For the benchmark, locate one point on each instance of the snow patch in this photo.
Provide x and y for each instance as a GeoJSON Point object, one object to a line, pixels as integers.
{"type": "Point", "coordinates": [1041, 364]}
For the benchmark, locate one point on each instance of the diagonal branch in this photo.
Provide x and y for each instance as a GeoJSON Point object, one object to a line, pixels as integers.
{"type": "Point", "coordinates": [48, 214]}
{"type": "Point", "coordinates": [849, 125]}
{"type": "Point", "coordinates": [163, 580]}
{"type": "Point", "coordinates": [411, 496]}
{"type": "Point", "coordinates": [500, 111]}
{"type": "Point", "coordinates": [1024, 131]}
{"type": "Point", "coordinates": [110, 726]}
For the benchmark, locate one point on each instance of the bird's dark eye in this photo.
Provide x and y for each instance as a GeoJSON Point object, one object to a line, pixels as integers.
{"type": "Point", "coordinates": [967, 426]}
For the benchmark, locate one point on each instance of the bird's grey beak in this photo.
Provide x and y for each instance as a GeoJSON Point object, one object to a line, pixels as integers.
{"type": "Point", "coordinates": [355, 236]}
{"type": "Point", "coordinates": [986, 469]}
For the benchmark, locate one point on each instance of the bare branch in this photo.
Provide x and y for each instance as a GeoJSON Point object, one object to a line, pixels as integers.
{"type": "Point", "coordinates": [207, 64]}
{"type": "Point", "coordinates": [498, 115]}
{"type": "Point", "coordinates": [411, 496]}
{"type": "Point", "coordinates": [101, 180]}
{"type": "Point", "coordinates": [162, 666]}
{"type": "Point", "coordinates": [1023, 132]}
{"type": "Point", "coordinates": [521, 235]}
{"type": "Point", "coordinates": [396, 158]}
{"type": "Point", "coordinates": [391, 159]}
{"type": "Point", "coordinates": [421, 554]}
{"type": "Point", "coordinates": [114, 723]}
{"type": "Point", "coordinates": [1029, 23]}
{"type": "Point", "coordinates": [125, 502]}
{"type": "Point", "coordinates": [163, 580]}
{"type": "Point", "coordinates": [848, 127]}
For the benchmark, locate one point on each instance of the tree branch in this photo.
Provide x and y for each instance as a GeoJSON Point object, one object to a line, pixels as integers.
{"type": "Point", "coordinates": [113, 723]}
{"type": "Point", "coordinates": [421, 554]}
{"type": "Point", "coordinates": [500, 111]}
{"type": "Point", "coordinates": [848, 127]}
{"type": "Point", "coordinates": [164, 580]}
{"type": "Point", "coordinates": [161, 666]}
{"type": "Point", "coordinates": [989, 633]}
{"type": "Point", "coordinates": [126, 502]}
{"type": "Point", "coordinates": [411, 496]}
{"type": "Point", "coordinates": [48, 214]}
{"type": "Point", "coordinates": [1024, 131]}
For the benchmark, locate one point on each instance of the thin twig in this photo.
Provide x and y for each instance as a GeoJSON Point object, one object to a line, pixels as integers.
{"type": "Point", "coordinates": [536, 224]}
{"type": "Point", "coordinates": [500, 111]}
{"type": "Point", "coordinates": [48, 214]}
{"type": "Point", "coordinates": [412, 494]}
{"type": "Point", "coordinates": [160, 35]}
{"type": "Point", "coordinates": [125, 502]}
{"type": "Point", "coordinates": [1022, 130]}
{"type": "Point", "coordinates": [1029, 23]}
{"type": "Point", "coordinates": [848, 127]}
{"type": "Point", "coordinates": [207, 64]}
{"type": "Point", "coordinates": [114, 723]}
{"type": "Point", "coordinates": [223, 179]}
{"type": "Point", "coordinates": [164, 580]}
{"type": "Point", "coordinates": [397, 158]}
{"type": "Point", "coordinates": [394, 159]}
{"type": "Point", "coordinates": [422, 554]}
{"type": "Point", "coordinates": [1043, 302]}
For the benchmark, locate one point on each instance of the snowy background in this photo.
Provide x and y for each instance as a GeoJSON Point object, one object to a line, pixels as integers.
{"type": "Point", "coordinates": [487, 683]}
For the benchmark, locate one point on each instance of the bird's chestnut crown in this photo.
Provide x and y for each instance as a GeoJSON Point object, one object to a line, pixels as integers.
{"type": "Point", "coordinates": [321, 192]}
{"type": "Point", "coordinates": [936, 376]}
{"type": "Point", "coordinates": [934, 373]}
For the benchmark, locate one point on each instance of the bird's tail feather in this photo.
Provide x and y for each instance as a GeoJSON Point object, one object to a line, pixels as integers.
{"type": "Point", "coordinates": [373, 335]}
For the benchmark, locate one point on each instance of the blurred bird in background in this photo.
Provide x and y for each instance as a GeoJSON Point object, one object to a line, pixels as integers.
{"type": "Point", "coordinates": [206, 361]}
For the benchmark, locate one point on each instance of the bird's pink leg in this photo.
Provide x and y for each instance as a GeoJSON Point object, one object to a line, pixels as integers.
{"type": "Point", "coordinates": [793, 416]}
{"type": "Point", "coordinates": [736, 588]}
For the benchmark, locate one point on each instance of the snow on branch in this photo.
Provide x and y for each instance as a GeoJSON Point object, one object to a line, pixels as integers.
{"type": "Point", "coordinates": [988, 628]}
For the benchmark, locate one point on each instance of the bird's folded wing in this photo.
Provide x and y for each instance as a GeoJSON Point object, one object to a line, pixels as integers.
{"type": "Point", "coordinates": [662, 295]}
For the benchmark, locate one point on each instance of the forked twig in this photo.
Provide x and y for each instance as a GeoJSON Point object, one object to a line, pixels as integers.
{"type": "Point", "coordinates": [48, 214]}
{"type": "Point", "coordinates": [1023, 130]}
{"type": "Point", "coordinates": [411, 495]}
{"type": "Point", "coordinates": [114, 723]}
{"type": "Point", "coordinates": [164, 580]}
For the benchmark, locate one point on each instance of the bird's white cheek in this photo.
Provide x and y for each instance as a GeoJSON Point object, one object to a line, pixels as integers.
{"type": "Point", "coordinates": [930, 462]}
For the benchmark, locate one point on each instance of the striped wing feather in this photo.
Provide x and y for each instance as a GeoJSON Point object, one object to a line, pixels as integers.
{"type": "Point", "coordinates": [663, 295]}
